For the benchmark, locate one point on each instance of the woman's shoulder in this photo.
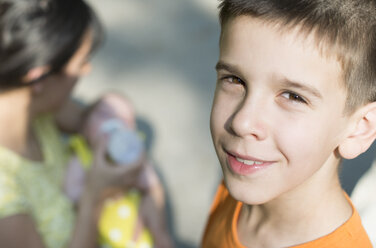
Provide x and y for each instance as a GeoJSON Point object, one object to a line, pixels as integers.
{"type": "Point", "coordinates": [29, 188]}
{"type": "Point", "coordinates": [18, 176]}
{"type": "Point", "coordinates": [11, 199]}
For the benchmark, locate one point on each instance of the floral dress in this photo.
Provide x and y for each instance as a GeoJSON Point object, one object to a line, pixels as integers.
{"type": "Point", "coordinates": [35, 188]}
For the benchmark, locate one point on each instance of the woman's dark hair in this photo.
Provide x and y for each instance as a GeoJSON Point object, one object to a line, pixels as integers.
{"type": "Point", "coordinates": [37, 33]}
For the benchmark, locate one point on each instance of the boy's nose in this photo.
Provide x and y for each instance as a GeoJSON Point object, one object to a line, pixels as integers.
{"type": "Point", "coordinates": [249, 120]}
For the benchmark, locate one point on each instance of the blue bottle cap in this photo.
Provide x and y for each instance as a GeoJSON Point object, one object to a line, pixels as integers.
{"type": "Point", "coordinates": [125, 146]}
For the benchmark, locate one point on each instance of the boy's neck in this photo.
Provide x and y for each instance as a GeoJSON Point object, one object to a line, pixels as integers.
{"type": "Point", "coordinates": [315, 209]}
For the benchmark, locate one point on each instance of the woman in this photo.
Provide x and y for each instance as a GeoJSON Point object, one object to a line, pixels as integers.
{"type": "Point", "coordinates": [44, 48]}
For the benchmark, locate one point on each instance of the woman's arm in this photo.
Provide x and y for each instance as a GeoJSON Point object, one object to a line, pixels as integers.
{"type": "Point", "coordinates": [19, 231]}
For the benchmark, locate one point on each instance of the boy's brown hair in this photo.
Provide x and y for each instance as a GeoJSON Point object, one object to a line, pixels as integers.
{"type": "Point", "coordinates": [343, 28]}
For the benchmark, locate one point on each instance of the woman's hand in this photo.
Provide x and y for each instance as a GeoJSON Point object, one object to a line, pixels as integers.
{"type": "Point", "coordinates": [104, 174]}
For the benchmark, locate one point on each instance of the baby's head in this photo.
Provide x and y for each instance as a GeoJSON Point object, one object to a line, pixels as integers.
{"type": "Point", "coordinates": [295, 93]}
{"type": "Point", "coordinates": [110, 106]}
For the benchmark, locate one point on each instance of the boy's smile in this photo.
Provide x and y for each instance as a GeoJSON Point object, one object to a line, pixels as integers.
{"type": "Point", "coordinates": [278, 112]}
{"type": "Point", "coordinates": [244, 165]}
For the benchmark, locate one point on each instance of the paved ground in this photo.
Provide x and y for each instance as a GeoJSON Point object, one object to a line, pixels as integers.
{"type": "Point", "coordinates": [161, 54]}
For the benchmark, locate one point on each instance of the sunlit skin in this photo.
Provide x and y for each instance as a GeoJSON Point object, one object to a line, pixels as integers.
{"type": "Point", "coordinates": [280, 103]}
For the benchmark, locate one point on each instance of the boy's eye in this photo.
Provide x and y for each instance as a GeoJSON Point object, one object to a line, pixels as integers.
{"type": "Point", "coordinates": [233, 80]}
{"type": "Point", "coordinates": [294, 97]}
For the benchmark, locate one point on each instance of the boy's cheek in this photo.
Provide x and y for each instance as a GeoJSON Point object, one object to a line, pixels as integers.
{"type": "Point", "coordinates": [304, 147]}
{"type": "Point", "coordinates": [223, 107]}
{"type": "Point", "coordinates": [218, 119]}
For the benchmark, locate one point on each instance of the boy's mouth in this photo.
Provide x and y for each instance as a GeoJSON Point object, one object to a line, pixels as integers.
{"type": "Point", "coordinates": [249, 162]}
{"type": "Point", "coordinates": [242, 165]}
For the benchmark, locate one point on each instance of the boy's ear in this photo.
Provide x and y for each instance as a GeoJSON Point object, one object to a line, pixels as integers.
{"type": "Point", "coordinates": [363, 135]}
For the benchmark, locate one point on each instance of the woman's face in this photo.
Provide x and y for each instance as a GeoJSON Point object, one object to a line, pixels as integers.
{"type": "Point", "coordinates": [52, 93]}
{"type": "Point", "coordinates": [79, 64]}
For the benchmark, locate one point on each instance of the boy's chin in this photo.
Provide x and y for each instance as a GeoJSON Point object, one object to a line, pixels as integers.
{"type": "Point", "coordinates": [244, 192]}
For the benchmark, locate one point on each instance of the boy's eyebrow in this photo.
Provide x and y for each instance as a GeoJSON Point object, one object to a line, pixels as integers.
{"type": "Point", "coordinates": [292, 84]}
{"type": "Point", "coordinates": [224, 66]}
{"type": "Point", "coordinates": [285, 81]}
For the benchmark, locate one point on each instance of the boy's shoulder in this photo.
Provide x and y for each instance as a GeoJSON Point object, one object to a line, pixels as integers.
{"type": "Point", "coordinates": [221, 226]}
{"type": "Point", "coordinates": [221, 229]}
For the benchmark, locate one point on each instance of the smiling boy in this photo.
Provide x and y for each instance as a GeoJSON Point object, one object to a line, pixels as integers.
{"type": "Point", "coordinates": [295, 94]}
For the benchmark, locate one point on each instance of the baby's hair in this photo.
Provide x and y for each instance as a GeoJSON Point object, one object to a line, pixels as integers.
{"type": "Point", "coordinates": [36, 33]}
{"type": "Point", "coordinates": [345, 29]}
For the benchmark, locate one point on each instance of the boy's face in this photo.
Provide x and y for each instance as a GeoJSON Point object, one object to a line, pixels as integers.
{"type": "Point", "coordinates": [277, 116]}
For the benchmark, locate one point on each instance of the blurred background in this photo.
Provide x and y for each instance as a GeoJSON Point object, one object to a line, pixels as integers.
{"type": "Point", "coordinates": [161, 54]}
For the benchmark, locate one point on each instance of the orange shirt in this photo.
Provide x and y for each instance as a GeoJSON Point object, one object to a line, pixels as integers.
{"type": "Point", "coordinates": [221, 229]}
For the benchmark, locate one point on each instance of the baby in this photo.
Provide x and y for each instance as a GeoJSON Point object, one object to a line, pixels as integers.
{"type": "Point", "coordinates": [124, 212]}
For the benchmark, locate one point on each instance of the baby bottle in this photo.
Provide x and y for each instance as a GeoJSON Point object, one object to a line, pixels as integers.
{"type": "Point", "coordinates": [124, 144]}
{"type": "Point", "coordinates": [120, 223]}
